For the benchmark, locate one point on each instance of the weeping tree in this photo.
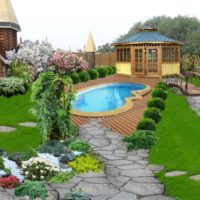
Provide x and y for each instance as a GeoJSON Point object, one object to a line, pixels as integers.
{"type": "Point", "coordinates": [52, 96]}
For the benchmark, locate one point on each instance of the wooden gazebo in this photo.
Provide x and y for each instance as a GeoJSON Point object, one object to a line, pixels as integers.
{"type": "Point", "coordinates": [148, 53]}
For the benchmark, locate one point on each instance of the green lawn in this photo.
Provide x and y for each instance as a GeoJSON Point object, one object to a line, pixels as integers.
{"type": "Point", "coordinates": [195, 81]}
{"type": "Point", "coordinates": [13, 111]}
{"type": "Point", "coordinates": [178, 148]}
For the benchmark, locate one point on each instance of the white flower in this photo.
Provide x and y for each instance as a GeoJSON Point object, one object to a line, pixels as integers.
{"type": "Point", "coordinates": [42, 177]}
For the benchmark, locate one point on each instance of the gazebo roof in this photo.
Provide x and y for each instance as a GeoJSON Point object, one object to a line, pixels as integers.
{"type": "Point", "coordinates": [147, 35]}
{"type": "Point", "coordinates": [8, 18]}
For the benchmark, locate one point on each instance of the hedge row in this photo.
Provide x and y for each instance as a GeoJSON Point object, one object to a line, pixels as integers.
{"type": "Point", "coordinates": [145, 136]}
{"type": "Point", "coordinates": [92, 74]}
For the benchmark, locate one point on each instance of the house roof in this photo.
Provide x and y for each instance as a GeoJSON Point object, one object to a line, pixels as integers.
{"type": "Point", "coordinates": [148, 35]}
{"type": "Point", "coordinates": [8, 18]}
{"type": "Point", "coordinates": [90, 45]}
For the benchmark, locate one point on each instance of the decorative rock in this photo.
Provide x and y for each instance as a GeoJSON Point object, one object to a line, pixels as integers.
{"type": "Point", "coordinates": [28, 124]}
{"type": "Point", "coordinates": [196, 177]}
{"type": "Point", "coordinates": [6, 129]}
{"type": "Point", "coordinates": [125, 196]}
{"type": "Point", "coordinates": [175, 173]}
{"type": "Point", "coordinates": [144, 189]}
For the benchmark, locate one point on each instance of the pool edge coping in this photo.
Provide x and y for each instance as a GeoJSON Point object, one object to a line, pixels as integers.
{"type": "Point", "coordinates": [138, 94]}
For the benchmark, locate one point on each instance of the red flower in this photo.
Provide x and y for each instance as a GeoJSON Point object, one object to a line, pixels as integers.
{"type": "Point", "coordinates": [9, 182]}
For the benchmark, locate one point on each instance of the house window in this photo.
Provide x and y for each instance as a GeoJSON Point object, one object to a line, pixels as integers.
{"type": "Point", "coordinates": [170, 54]}
{"type": "Point", "coordinates": [123, 55]}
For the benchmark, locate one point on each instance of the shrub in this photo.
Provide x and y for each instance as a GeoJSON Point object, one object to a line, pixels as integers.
{"type": "Point", "coordinates": [84, 76]}
{"type": "Point", "coordinates": [103, 72]}
{"type": "Point", "coordinates": [76, 194]}
{"type": "Point", "coordinates": [160, 93]}
{"type": "Point", "coordinates": [39, 169]}
{"type": "Point", "coordinates": [156, 103]}
{"type": "Point", "coordinates": [146, 124]}
{"type": "Point", "coordinates": [141, 140]}
{"type": "Point", "coordinates": [110, 70]}
{"type": "Point", "coordinates": [62, 177]}
{"type": "Point", "coordinates": [30, 153]}
{"type": "Point", "coordinates": [152, 113]}
{"type": "Point", "coordinates": [2, 166]}
{"type": "Point", "coordinates": [11, 86]}
{"type": "Point", "coordinates": [32, 189]}
{"type": "Point", "coordinates": [79, 145]}
{"type": "Point", "coordinates": [16, 157]}
{"type": "Point", "coordinates": [114, 69]}
{"type": "Point", "coordinates": [94, 74]}
{"type": "Point", "coordinates": [9, 182]}
{"type": "Point", "coordinates": [75, 78]}
{"type": "Point", "coordinates": [162, 85]}
{"type": "Point", "coordinates": [83, 164]}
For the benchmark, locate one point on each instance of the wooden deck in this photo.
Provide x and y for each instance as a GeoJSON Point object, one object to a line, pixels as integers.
{"type": "Point", "coordinates": [124, 123]}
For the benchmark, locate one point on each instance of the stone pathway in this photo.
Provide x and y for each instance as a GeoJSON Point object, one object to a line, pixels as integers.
{"type": "Point", "coordinates": [194, 103]}
{"type": "Point", "coordinates": [127, 176]}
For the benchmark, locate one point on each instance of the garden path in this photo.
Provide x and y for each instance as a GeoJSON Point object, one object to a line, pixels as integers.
{"type": "Point", "coordinates": [127, 175]}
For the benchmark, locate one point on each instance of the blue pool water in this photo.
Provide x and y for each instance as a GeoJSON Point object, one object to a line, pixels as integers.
{"type": "Point", "coordinates": [104, 98]}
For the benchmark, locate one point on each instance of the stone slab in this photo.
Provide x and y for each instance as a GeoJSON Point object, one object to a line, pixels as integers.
{"type": "Point", "coordinates": [28, 124]}
{"type": "Point", "coordinates": [175, 173]}
{"type": "Point", "coordinates": [6, 129]}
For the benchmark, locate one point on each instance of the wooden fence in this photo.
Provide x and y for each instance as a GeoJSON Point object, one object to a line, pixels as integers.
{"type": "Point", "coordinates": [105, 59]}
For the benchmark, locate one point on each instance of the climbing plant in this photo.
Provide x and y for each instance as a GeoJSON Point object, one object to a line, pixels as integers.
{"type": "Point", "coordinates": [52, 96]}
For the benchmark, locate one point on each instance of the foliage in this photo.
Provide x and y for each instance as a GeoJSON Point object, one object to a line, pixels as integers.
{"type": "Point", "coordinates": [13, 111]}
{"type": "Point", "coordinates": [11, 86]}
{"type": "Point", "coordinates": [76, 194]}
{"type": "Point", "coordinates": [22, 70]}
{"type": "Point", "coordinates": [75, 78]}
{"type": "Point", "coordinates": [80, 145]}
{"type": "Point", "coordinates": [103, 72]}
{"type": "Point", "coordinates": [105, 48]}
{"type": "Point", "coordinates": [35, 54]}
{"type": "Point", "coordinates": [156, 103]}
{"type": "Point", "coordinates": [62, 177]}
{"type": "Point", "coordinates": [32, 189]}
{"type": "Point", "coordinates": [152, 113]}
{"type": "Point", "coordinates": [84, 76]}
{"type": "Point", "coordinates": [110, 70]}
{"type": "Point", "coordinates": [94, 74]}
{"type": "Point", "coordinates": [178, 147]}
{"type": "Point", "coordinates": [114, 69]}
{"type": "Point", "coordinates": [67, 62]}
{"type": "Point", "coordinates": [54, 147]}
{"type": "Point", "coordinates": [30, 153]}
{"type": "Point", "coordinates": [190, 62]}
{"type": "Point", "coordinates": [159, 92]}
{"type": "Point", "coordinates": [161, 85]}
{"type": "Point", "coordinates": [181, 28]}
{"type": "Point", "coordinates": [53, 96]}
{"type": "Point", "coordinates": [141, 139]}
{"type": "Point", "coordinates": [16, 157]}
{"type": "Point", "coordinates": [83, 164]}
{"type": "Point", "coordinates": [39, 169]}
{"type": "Point", "coordinates": [9, 182]}
{"type": "Point", "coordinates": [1, 163]}
{"type": "Point", "coordinates": [146, 124]}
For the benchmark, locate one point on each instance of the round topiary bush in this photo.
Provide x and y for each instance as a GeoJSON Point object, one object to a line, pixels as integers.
{"type": "Point", "coordinates": [94, 74]}
{"type": "Point", "coordinates": [146, 124]}
{"type": "Point", "coordinates": [156, 103]}
{"type": "Point", "coordinates": [84, 76]}
{"type": "Point", "coordinates": [114, 69]}
{"type": "Point", "coordinates": [110, 70]}
{"type": "Point", "coordinates": [162, 85]}
{"type": "Point", "coordinates": [103, 72]}
{"type": "Point", "coordinates": [158, 92]}
{"type": "Point", "coordinates": [75, 78]}
{"type": "Point", "coordinates": [152, 113]}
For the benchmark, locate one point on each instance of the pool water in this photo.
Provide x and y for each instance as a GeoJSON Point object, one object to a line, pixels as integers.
{"type": "Point", "coordinates": [104, 98]}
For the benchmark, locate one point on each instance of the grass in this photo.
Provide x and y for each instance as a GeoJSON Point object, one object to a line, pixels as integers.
{"type": "Point", "coordinates": [178, 148]}
{"type": "Point", "coordinates": [13, 111]}
{"type": "Point", "coordinates": [195, 81]}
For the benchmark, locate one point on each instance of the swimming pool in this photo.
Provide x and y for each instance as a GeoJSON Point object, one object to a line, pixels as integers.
{"type": "Point", "coordinates": [106, 97]}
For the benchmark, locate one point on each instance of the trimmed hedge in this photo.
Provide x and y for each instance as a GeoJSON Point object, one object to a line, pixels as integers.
{"type": "Point", "coordinates": [11, 86]}
{"type": "Point", "coordinates": [103, 72]}
{"type": "Point", "coordinates": [159, 92]}
{"type": "Point", "coordinates": [84, 76]}
{"type": "Point", "coordinates": [141, 140]}
{"type": "Point", "coordinates": [152, 113]}
{"type": "Point", "coordinates": [162, 85]}
{"type": "Point", "coordinates": [146, 124]}
{"type": "Point", "coordinates": [94, 74]}
{"type": "Point", "coordinates": [114, 68]}
{"type": "Point", "coordinates": [75, 78]}
{"type": "Point", "coordinates": [156, 103]}
{"type": "Point", "coordinates": [110, 70]}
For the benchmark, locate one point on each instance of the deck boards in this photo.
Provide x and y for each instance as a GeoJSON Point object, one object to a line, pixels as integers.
{"type": "Point", "coordinates": [124, 123]}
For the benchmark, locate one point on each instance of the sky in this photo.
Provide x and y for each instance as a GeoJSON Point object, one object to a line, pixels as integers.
{"type": "Point", "coordinates": [66, 23]}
